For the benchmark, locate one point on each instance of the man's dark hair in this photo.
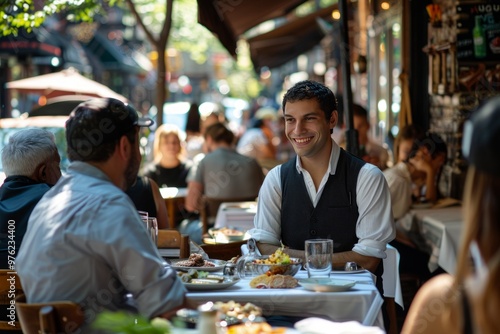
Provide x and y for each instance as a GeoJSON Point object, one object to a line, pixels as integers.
{"type": "Point", "coordinates": [220, 133]}
{"type": "Point", "coordinates": [434, 144]}
{"type": "Point", "coordinates": [358, 110]}
{"type": "Point", "coordinates": [309, 90]}
{"type": "Point", "coordinates": [96, 126]}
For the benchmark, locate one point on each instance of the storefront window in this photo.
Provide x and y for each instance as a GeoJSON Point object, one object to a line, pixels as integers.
{"type": "Point", "coordinates": [384, 85]}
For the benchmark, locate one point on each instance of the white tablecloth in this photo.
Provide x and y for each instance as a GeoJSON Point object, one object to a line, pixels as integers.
{"type": "Point", "coordinates": [390, 277]}
{"type": "Point", "coordinates": [236, 215]}
{"type": "Point", "coordinates": [437, 231]}
{"type": "Point", "coordinates": [362, 303]}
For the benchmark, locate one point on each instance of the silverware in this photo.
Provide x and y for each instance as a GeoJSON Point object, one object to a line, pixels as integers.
{"type": "Point", "coordinates": [351, 266]}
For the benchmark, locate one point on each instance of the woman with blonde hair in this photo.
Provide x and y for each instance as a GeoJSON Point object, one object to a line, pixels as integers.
{"type": "Point", "coordinates": [169, 167]}
{"type": "Point", "coordinates": [469, 302]}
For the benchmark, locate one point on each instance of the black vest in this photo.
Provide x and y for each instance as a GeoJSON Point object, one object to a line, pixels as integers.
{"type": "Point", "coordinates": [334, 217]}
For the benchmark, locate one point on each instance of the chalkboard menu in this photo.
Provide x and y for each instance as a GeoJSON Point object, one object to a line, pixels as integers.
{"type": "Point", "coordinates": [478, 32]}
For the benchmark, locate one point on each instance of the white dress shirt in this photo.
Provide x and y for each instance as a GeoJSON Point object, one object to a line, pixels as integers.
{"type": "Point", "coordinates": [400, 185]}
{"type": "Point", "coordinates": [375, 225]}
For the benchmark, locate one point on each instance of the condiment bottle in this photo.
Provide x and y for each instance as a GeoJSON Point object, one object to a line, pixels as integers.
{"type": "Point", "coordinates": [207, 319]}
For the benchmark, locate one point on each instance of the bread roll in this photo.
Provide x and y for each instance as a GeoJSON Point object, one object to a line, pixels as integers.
{"type": "Point", "coordinates": [274, 282]}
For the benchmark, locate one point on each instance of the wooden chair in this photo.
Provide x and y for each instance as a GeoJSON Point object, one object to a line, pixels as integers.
{"type": "Point", "coordinates": [173, 239]}
{"type": "Point", "coordinates": [10, 287]}
{"type": "Point", "coordinates": [49, 318]}
{"type": "Point", "coordinates": [209, 207]}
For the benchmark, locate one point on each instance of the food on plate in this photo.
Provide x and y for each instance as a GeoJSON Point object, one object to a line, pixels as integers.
{"type": "Point", "coordinates": [274, 282]}
{"type": "Point", "coordinates": [277, 263]}
{"type": "Point", "coordinates": [278, 257]}
{"type": "Point", "coordinates": [255, 328]}
{"type": "Point", "coordinates": [230, 232]}
{"type": "Point", "coordinates": [236, 310]}
{"type": "Point", "coordinates": [195, 260]}
{"type": "Point", "coordinates": [199, 277]}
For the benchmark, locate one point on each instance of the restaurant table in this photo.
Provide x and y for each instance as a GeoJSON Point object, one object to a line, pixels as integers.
{"type": "Point", "coordinates": [195, 331]}
{"type": "Point", "coordinates": [436, 231]}
{"type": "Point", "coordinates": [361, 303]}
{"type": "Point", "coordinates": [390, 278]}
{"type": "Point", "coordinates": [236, 215]}
{"type": "Point", "coordinates": [174, 197]}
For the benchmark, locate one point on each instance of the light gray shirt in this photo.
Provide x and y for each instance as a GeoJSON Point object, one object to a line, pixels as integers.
{"type": "Point", "coordinates": [86, 243]}
{"type": "Point", "coordinates": [375, 225]}
{"type": "Point", "coordinates": [224, 173]}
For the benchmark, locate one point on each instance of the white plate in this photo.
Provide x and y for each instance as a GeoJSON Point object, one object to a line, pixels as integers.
{"type": "Point", "coordinates": [326, 284]}
{"type": "Point", "coordinates": [212, 286]}
{"type": "Point", "coordinates": [219, 265]}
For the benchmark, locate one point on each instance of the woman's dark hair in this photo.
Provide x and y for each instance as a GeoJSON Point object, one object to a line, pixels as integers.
{"type": "Point", "coordinates": [220, 133]}
{"type": "Point", "coordinates": [193, 119]}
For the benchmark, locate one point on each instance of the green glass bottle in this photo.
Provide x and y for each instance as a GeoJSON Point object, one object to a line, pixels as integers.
{"type": "Point", "coordinates": [479, 39]}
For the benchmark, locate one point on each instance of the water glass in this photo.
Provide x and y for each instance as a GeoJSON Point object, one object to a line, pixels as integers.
{"type": "Point", "coordinates": [319, 257]}
{"type": "Point", "coordinates": [152, 226]}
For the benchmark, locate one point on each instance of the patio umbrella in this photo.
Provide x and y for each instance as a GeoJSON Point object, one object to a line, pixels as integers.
{"type": "Point", "coordinates": [59, 106]}
{"type": "Point", "coordinates": [65, 82]}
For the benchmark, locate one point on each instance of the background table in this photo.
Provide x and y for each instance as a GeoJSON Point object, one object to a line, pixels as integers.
{"type": "Point", "coordinates": [362, 303]}
{"type": "Point", "coordinates": [436, 231]}
{"type": "Point", "coordinates": [174, 198]}
{"type": "Point", "coordinates": [236, 214]}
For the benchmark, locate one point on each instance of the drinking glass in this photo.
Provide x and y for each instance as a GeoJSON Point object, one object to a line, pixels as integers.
{"type": "Point", "coordinates": [152, 226]}
{"type": "Point", "coordinates": [319, 257]}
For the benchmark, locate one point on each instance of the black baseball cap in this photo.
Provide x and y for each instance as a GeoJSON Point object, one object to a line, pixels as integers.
{"type": "Point", "coordinates": [481, 138]}
{"type": "Point", "coordinates": [99, 121]}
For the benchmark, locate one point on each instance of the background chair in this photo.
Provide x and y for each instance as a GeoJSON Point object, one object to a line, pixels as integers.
{"type": "Point", "coordinates": [171, 239]}
{"type": "Point", "coordinates": [209, 207]}
{"type": "Point", "coordinates": [51, 317]}
{"type": "Point", "coordinates": [8, 280]}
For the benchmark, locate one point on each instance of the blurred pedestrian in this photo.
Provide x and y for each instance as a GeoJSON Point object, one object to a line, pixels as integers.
{"type": "Point", "coordinates": [257, 141]}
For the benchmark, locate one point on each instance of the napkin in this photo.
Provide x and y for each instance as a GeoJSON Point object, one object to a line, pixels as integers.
{"type": "Point", "coordinates": [322, 326]}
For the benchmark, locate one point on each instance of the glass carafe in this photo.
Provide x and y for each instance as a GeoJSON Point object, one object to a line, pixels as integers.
{"type": "Point", "coordinates": [245, 263]}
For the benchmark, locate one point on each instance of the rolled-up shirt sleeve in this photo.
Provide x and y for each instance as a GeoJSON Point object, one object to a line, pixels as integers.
{"type": "Point", "coordinates": [375, 226]}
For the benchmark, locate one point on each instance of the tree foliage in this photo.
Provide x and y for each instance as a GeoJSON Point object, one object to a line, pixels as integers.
{"type": "Point", "coordinates": [165, 25]}
{"type": "Point", "coordinates": [30, 14]}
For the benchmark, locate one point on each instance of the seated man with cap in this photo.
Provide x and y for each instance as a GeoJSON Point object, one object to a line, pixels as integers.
{"type": "Point", "coordinates": [257, 141]}
{"type": "Point", "coordinates": [85, 240]}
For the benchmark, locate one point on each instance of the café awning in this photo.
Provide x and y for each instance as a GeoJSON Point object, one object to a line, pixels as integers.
{"type": "Point", "coordinates": [288, 41]}
{"type": "Point", "coordinates": [230, 19]}
{"type": "Point", "coordinates": [36, 44]}
{"type": "Point", "coordinates": [113, 57]}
